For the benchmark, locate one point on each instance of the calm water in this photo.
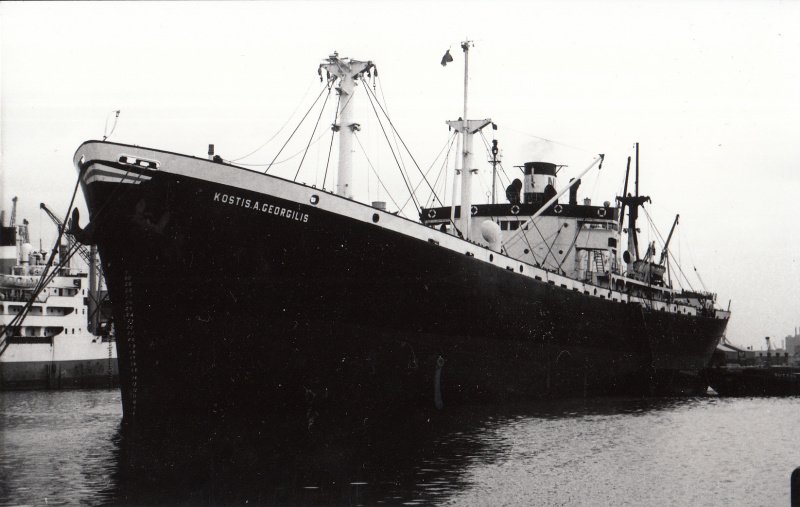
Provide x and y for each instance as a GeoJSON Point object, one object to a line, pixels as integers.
{"type": "Point", "coordinates": [68, 448]}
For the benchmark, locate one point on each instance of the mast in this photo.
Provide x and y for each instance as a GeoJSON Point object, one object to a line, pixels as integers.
{"type": "Point", "coordinates": [467, 128]}
{"type": "Point", "coordinates": [633, 203]}
{"type": "Point", "coordinates": [494, 162]}
{"type": "Point", "coordinates": [347, 71]}
{"type": "Point", "coordinates": [456, 173]}
{"type": "Point", "coordinates": [624, 192]}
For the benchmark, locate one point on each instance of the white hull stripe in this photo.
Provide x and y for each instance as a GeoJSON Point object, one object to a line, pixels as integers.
{"type": "Point", "coordinates": [108, 174]}
{"type": "Point", "coordinates": [252, 181]}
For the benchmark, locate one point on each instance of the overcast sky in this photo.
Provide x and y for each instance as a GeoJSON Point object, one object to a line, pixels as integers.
{"type": "Point", "coordinates": [711, 90]}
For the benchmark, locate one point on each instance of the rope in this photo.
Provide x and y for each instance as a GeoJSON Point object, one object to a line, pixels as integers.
{"type": "Point", "coordinates": [408, 186]}
{"type": "Point", "coordinates": [116, 116]}
{"type": "Point", "coordinates": [287, 159]}
{"type": "Point", "coordinates": [442, 170]}
{"type": "Point", "coordinates": [677, 264]}
{"type": "Point", "coordinates": [376, 174]}
{"type": "Point", "coordinates": [333, 134]}
{"type": "Point", "coordinates": [404, 144]}
{"type": "Point", "coordinates": [574, 242]}
{"type": "Point", "coordinates": [282, 126]}
{"type": "Point", "coordinates": [394, 135]}
{"type": "Point", "coordinates": [295, 129]}
{"type": "Point", "coordinates": [311, 138]}
{"type": "Point", "coordinates": [448, 143]}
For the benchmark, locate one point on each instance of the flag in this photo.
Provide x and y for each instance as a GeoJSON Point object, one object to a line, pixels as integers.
{"type": "Point", "coordinates": [446, 58]}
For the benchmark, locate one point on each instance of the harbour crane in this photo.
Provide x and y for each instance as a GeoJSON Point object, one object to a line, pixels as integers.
{"type": "Point", "coordinates": [92, 260]}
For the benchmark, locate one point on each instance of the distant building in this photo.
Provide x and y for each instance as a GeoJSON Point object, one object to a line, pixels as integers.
{"type": "Point", "coordinates": [793, 344]}
{"type": "Point", "coordinates": [729, 354]}
{"type": "Point", "coordinates": [774, 356]}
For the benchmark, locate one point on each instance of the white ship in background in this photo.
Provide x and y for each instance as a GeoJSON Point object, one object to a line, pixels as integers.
{"type": "Point", "coordinates": [54, 335]}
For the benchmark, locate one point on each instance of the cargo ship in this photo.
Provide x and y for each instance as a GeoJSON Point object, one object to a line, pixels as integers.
{"type": "Point", "coordinates": [55, 329]}
{"type": "Point", "coordinates": [239, 292]}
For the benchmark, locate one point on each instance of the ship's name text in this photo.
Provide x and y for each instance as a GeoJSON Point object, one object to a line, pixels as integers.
{"type": "Point", "coordinates": [263, 207]}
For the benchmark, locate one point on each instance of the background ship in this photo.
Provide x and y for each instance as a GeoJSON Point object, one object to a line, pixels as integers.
{"type": "Point", "coordinates": [239, 292]}
{"type": "Point", "coordinates": [55, 329]}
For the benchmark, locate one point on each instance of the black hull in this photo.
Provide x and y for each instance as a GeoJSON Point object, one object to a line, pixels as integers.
{"type": "Point", "coordinates": [225, 308]}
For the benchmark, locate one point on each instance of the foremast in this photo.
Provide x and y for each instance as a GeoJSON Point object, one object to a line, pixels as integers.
{"type": "Point", "coordinates": [466, 128]}
{"type": "Point", "coordinates": [347, 72]}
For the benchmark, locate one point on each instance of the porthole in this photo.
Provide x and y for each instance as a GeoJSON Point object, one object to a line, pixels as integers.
{"type": "Point", "coordinates": [375, 217]}
{"type": "Point", "coordinates": [520, 268]}
{"type": "Point", "coordinates": [314, 199]}
{"type": "Point", "coordinates": [491, 257]}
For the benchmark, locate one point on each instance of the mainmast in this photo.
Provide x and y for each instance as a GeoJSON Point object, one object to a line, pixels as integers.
{"type": "Point", "coordinates": [347, 71]}
{"type": "Point", "coordinates": [633, 203]}
{"type": "Point", "coordinates": [467, 128]}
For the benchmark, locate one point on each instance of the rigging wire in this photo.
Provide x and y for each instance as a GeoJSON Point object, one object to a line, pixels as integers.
{"type": "Point", "coordinates": [677, 264]}
{"type": "Point", "coordinates": [116, 117]}
{"type": "Point", "coordinates": [442, 171]}
{"type": "Point", "coordinates": [294, 155]}
{"type": "Point", "coordinates": [310, 84]}
{"type": "Point", "coordinates": [408, 186]}
{"type": "Point", "coordinates": [369, 162]}
{"type": "Point", "coordinates": [502, 171]}
{"type": "Point", "coordinates": [394, 134]}
{"type": "Point", "coordinates": [403, 142]}
{"type": "Point", "coordinates": [328, 87]}
{"type": "Point", "coordinates": [449, 145]}
{"type": "Point", "coordinates": [284, 160]}
{"type": "Point", "coordinates": [311, 138]}
{"type": "Point", "coordinates": [333, 135]}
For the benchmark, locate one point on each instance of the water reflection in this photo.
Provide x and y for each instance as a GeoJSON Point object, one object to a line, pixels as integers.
{"type": "Point", "coordinates": [275, 461]}
{"type": "Point", "coordinates": [401, 459]}
{"type": "Point", "coordinates": [70, 448]}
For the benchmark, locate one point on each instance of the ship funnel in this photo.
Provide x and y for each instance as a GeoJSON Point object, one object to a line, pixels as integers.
{"type": "Point", "coordinates": [540, 182]}
{"type": "Point", "coordinates": [8, 248]}
{"type": "Point", "coordinates": [573, 192]}
{"type": "Point", "coordinates": [25, 254]}
{"type": "Point", "coordinates": [381, 205]}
